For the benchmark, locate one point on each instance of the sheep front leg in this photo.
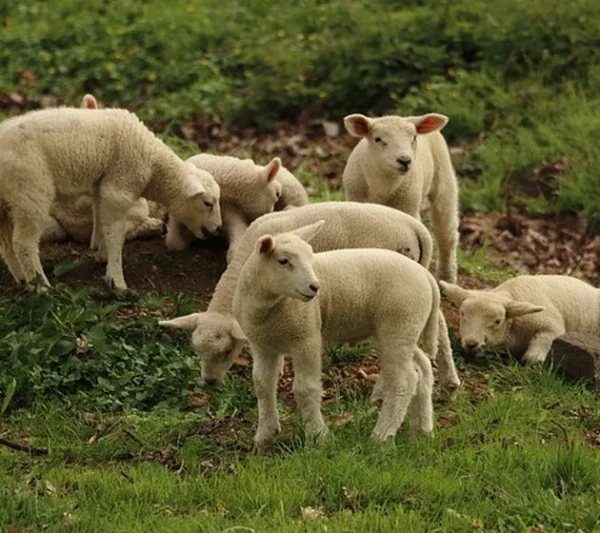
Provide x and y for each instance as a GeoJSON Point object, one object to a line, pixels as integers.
{"type": "Point", "coordinates": [421, 407]}
{"type": "Point", "coordinates": [400, 378]}
{"type": "Point", "coordinates": [235, 226]}
{"type": "Point", "coordinates": [8, 253]}
{"type": "Point", "coordinates": [449, 380]}
{"type": "Point", "coordinates": [444, 220]}
{"type": "Point", "coordinates": [307, 389]}
{"type": "Point", "coordinates": [539, 346]}
{"type": "Point", "coordinates": [96, 242]}
{"type": "Point", "coordinates": [113, 227]}
{"type": "Point", "coordinates": [265, 375]}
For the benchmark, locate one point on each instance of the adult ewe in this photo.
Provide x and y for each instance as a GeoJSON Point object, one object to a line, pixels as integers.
{"type": "Point", "coordinates": [403, 162]}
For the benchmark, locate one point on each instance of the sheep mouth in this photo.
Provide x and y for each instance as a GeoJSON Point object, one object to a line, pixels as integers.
{"type": "Point", "coordinates": [402, 170]}
{"type": "Point", "coordinates": [306, 297]}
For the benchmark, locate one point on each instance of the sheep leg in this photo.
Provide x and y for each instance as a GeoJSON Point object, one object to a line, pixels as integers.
{"type": "Point", "coordinates": [449, 380]}
{"type": "Point", "coordinates": [96, 242]}
{"type": "Point", "coordinates": [265, 375]}
{"type": "Point", "coordinates": [539, 346]}
{"type": "Point", "coordinates": [54, 232]}
{"type": "Point", "coordinates": [26, 246]}
{"type": "Point", "coordinates": [444, 221]}
{"type": "Point", "coordinates": [12, 262]}
{"type": "Point", "coordinates": [112, 218]}
{"type": "Point", "coordinates": [307, 387]}
{"type": "Point", "coordinates": [235, 226]}
{"type": "Point", "coordinates": [421, 407]}
{"type": "Point", "coordinates": [400, 379]}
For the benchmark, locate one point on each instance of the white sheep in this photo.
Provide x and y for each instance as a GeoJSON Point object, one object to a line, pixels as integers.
{"type": "Point", "coordinates": [526, 313]}
{"type": "Point", "coordinates": [289, 302]}
{"type": "Point", "coordinates": [73, 218]}
{"type": "Point", "coordinates": [217, 337]}
{"type": "Point", "coordinates": [248, 191]}
{"type": "Point", "coordinates": [106, 153]}
{"type": "Point", "coordinates": [403, 162]}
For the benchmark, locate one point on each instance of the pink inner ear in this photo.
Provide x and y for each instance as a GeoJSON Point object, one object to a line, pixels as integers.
{"type": "Point", "coordinates": [430, 123]}
{"type": "Point", "coordinates": [360, 126]}
{"type": "Point", "coordinates": [266, 246]}
{"type": "Point", "coordinates": [273, 172]}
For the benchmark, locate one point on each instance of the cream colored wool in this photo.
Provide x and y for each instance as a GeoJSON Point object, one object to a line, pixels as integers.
{"type": "Point", "coordinates": [248, 191]}
{"type": "Point", "coordinates": [74, 219]}
{"type": "Point", "coordinates": [403, 162]}
{"type": "Point", "coordinates": [525, 314]}
{"type": "Point", "coordinates": [216, 336]}
{"type": "Point", "coordinates": [109, 154]}
{"type": "Point", "coordinates": [290, 302]}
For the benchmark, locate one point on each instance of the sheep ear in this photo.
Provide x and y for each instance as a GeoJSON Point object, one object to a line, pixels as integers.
{"type": "Point", "coordinates": [519, 308]}
{"type": "Point", "coordinates": [430, 122]}
{"type": "Point", "coordinates": [89, 102]}
{"type": "Point", "coordinates": [192, 187]}
{"type": "Point", "coordinates": [236, 331]}
{"type": "Point", "coordinates": [271, 169]}
{"type": "Point", "coordinates": [187, 322]}
{"type": "Point", "coordinates": [266, 245]}
{"type": "Point", "coordinates": [307, 233]}
{"type": "Point", "coordinates": [457, 295]}
{"type": "Point", "coordinates": [358, 125]}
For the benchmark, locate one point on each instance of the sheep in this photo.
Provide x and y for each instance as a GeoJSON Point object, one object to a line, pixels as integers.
{"type": "Point", "coordinates": [109, 154]}
{"type": "Point", "coordinates": [73, 219]}
{"type": "Point", "coordinates": [403, 162]}
{"type": "Point", "coordinates": [217, 337]}
{"type": "Point", "coordinates": [526, 313]}
{"type": "Point", "coordinates": [248, 191]}
{"type": "Point", "coordinates": [289, 301]}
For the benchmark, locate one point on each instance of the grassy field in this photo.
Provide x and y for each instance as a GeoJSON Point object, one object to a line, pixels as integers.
{"type": "Point", "coordinates": [125, 437]}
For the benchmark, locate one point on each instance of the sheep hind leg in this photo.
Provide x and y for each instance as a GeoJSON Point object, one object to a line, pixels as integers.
{"type": "Point", "coordinates": [449, 380]}
{"type": "Point", "coordinates": [444, 221]}
{"type": "Point", "coordinates": [11, 261]}
{"type": "Point", "coordinates": [400, 377]}
{"type": "Point", "coordinates": [421, 407]}
{"type": "Point", "coordinates": [26, 246]}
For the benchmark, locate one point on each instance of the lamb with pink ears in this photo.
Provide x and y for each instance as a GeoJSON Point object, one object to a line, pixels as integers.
{"type": "Point", "coordinates": [403, 162]}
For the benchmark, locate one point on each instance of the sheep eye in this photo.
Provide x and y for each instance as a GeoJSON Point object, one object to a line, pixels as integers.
{"type": "Point", "coordinates": [209, 205]}
{"type": "Point", "coordinates": [378, 139]}
{"type": "Point", "coordinates": [415, 138]}
{"type": "Point", "coordinates": [283, 261]}
{"type": "Point", "coordinates": [277, 194]}
{"type": "Point", "coordinates": [497, 322]}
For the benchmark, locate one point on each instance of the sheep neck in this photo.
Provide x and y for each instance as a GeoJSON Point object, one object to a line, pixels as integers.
{"type": "Point", "coordinates": [164, 186]}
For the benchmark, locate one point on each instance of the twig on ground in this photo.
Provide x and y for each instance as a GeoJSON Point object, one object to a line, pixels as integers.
{"type": "Point", "coordinates": [33, 450]}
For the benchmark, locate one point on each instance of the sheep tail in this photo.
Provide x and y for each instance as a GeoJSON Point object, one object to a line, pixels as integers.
{"type": "Point", "coordinates": [430, 334]}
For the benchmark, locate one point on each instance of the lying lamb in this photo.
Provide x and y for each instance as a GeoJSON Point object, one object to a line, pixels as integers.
{"type": "Point", "coordinates": [289, 302]}
{"type": "Point", "coordinates": [109, 154]}
{"type": "Point", "coordinates": [217, 337]}
{"type": "Point", "coordinates": [526, 313]}
{"type": "Point", "coordinates": [73, 219]}
{"type": "Point", "coordinates": [248, 191]}
{"type": "Point", "coordinates": [403, 162]}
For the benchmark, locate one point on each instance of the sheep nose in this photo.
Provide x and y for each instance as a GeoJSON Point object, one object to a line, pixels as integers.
{"type": "Point", "coordinates": [404, 161]}
{"type": "Point", "coordinates": [219, 228]}
{"type": "Point", "coordinates": [471, 344]}
{"type": "Point", "coordinates": [314, 287]}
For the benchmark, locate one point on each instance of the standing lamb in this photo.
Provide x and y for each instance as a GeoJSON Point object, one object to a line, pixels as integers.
{"type": "Point", "coordinates": [525, 314]}
{"type": "Point", "coordinates": [289, 302]}
{"type": "Point", "coordinates": [109, 154]}
{"type": "Point", "coordinates": [403, 162]}
{"type": "Point", "coordinates": [216, 335]}
{"type": "Point", "coordinates": [246, 193]}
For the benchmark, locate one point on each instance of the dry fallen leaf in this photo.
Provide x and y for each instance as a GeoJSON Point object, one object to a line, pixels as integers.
{"type": "Point", "coordinates": [199, 399]}
{"type": "Point", "coordinates": [312, 513]}
{"type": "Point", "coordinates": [343, 419]}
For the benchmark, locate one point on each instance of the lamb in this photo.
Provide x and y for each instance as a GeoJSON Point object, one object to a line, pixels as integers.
{"type": "Point", "coordinates": [288, 302]}
{"type": "Point", "coordinates": [526, 313]}
{"type": "Point", "coordinates": [403, 162]}
{"type": "Point", "coordinates": [109, 154]}
{"type": "Point", "coordinates": [248, 191]}
{"type": "Point", "coordinates": [73, 219]}
{"type": "Point", "coordinates": [217, 337]}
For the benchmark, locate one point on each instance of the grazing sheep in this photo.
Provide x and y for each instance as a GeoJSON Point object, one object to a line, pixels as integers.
{"type": "Point", "coordinates": [109, 154]}
{"type": "Point", "coordinates": [293, 193]}
{"type": "Point", "coordinates": [289, 302]}
{"type": "Point", "coordinates": [74, 219]}
{"type": "Point", "coordinates": [217, 337]}
{"type": "Point", "coordinates": [525, 314]}
{"type": "Point", "coordinates": [403, 162]}
{"type": "Point", "coordinates": [248, 191]}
